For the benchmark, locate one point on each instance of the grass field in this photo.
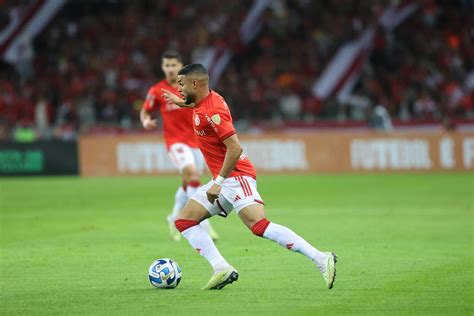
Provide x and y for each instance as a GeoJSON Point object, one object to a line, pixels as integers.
{"type": "Point", "coordinates": [83, 246]}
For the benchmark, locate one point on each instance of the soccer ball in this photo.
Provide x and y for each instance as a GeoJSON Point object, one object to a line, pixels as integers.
{"type": "Point", "coordinates": [164, 273]}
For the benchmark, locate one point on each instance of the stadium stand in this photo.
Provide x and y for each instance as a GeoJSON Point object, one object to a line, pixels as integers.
{"type": "Point", "coordinates": [89, 70]}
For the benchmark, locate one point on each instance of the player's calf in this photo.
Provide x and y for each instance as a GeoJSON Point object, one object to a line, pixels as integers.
{"type": "Point", "coordinates": [287, 238]}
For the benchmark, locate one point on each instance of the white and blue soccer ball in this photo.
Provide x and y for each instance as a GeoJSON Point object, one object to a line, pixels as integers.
{"type": "Point", "coordinates": [164, 273]}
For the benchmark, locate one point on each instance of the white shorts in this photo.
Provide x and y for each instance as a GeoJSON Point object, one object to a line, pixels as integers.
{"type": "Point", "coordinates": [236, 193]}
{"type": "Point", "coordinates": [182, 156]}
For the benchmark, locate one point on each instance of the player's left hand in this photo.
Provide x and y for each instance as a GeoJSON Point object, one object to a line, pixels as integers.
{"type": "Point", "coordinates": [171, 97]}
{"type": "Point", "coordinates": [213, 193]}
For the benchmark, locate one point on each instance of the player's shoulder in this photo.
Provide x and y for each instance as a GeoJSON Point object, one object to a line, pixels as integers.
{"type": "Point", "coordinates": [156, 88]}
{"type": "Point", "coordinates": [218, 102]}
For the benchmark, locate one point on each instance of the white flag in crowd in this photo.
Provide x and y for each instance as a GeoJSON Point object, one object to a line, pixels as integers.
{"type": "Point", "coordinates": [16, 37]}
{"type": "Point", "coordinates": [396, 14]}
{"type": "Point", "coordinates": [343, 71]}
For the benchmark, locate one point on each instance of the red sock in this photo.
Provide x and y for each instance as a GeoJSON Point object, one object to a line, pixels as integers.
{"type": "Point", "coordinates": [183, 224]}
{"type": "Point", "coordinates": [194, 184]}
{"type": "Point", "coordinates": [259, 227]}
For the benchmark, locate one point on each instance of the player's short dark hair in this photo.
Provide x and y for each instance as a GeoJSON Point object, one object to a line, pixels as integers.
{"type": "Point", "coordinates": [193, 69]}
{"type": "Point", "coordinates": [171, 54]}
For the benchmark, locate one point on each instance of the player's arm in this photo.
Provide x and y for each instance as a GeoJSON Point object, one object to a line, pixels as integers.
{"type": "Point", "coordinates": [232, 156]}
{"type": "Point", "coordinates": [147, 122]}
{"type": "Point", "coordinates": [145, 117]}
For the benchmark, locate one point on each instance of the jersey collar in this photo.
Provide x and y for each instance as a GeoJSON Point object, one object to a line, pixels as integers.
{"type": "Point", "coordinates": [205, 99]}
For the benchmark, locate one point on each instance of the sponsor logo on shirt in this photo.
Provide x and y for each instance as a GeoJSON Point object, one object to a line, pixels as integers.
{"type": "Point", "coordinates": [200, 132]}
{"type": "Point", "coordinates": [196, 120]}
{"type": "Point", "coordinates": [210, 121]}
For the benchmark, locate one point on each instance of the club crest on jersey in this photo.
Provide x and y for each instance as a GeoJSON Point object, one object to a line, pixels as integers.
{"type": "Point", "coordinates": [151, 99]}
{"type": "Point", "coordinates": [216, 119]}
{"type": "Point", "coordinates": [197, 120]}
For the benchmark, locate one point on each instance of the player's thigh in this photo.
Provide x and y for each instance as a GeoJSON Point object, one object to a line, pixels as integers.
{"type": "Point", "coordinates": [247, 202]}
{"type": "Point", "coordinates": [251, 214]}
{"type": "Point", "coordinates": [220, 207]}
{"type": "Point", "coordinates": [182, 157]}
{"type": "Point", "coordinates": [194, 211]}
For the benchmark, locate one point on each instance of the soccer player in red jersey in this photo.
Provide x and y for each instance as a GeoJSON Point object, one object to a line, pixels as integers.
{"type": "Point", "coordinates": [234, 185]}
{"type": "Point", "coordinates": [179, 137]}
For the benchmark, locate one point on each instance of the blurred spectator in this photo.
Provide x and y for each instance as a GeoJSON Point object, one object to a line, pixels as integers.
{"type": "Point", "coordinates": [86, 112]}
{"type": "Point", "coordinates": [358, 102]}
{"type": "Point", "coordinates": [379, 118]}
{"type": "Point", "coordinates": [290, 105]}
{"type": "Point", "coordinates": [43, 118]}
{"type": "Point", "coordinates": [424, 105]}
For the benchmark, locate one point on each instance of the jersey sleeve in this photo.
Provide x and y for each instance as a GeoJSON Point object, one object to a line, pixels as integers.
{"type": "Point", "coordinates": [221, 121]}
{"type": "Point", "coordinates": [152, 101]}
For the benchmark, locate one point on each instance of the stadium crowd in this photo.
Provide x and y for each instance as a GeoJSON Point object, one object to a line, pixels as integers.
{"type": "Point", "coordinates": [90, 69]}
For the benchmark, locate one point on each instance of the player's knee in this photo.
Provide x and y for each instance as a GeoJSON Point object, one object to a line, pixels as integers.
{"type": "Point", "coordinates": [182, 224]}
{"type": "Point", "coordinates": [258, 229]}
{"type": "Point", "coordinates": [190, 174]}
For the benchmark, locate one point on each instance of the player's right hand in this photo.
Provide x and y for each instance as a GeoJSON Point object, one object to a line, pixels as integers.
{"type": "Point", "coordinates": [213, 193]}
{"type": "Point", "coordinates": [149, 124]}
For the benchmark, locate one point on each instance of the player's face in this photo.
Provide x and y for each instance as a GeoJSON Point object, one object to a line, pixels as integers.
{"type": "Point", "coordinates": [170, 67]}
{"type": "Point", "coordinates": [187, 89]}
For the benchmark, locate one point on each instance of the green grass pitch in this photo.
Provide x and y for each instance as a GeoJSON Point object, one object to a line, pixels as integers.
{"type": "Point", "coordinates": [83, 246]}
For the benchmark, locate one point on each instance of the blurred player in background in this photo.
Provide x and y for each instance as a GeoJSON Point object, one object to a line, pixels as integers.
{"type": "Point", "coordinates": [234, 184]}
{"type": "Point", "coordinates": [179, 137]}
